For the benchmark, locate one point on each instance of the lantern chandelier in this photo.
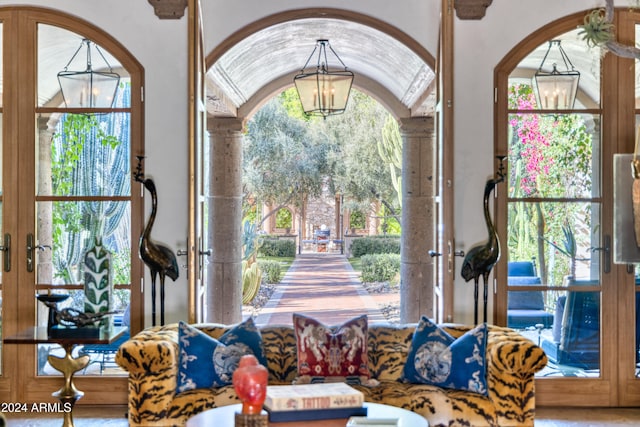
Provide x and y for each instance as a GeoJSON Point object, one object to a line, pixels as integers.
{"type": "Point", "coordinates": [556, 90]}
{"type": "Point", "coordinates": [323, 91]}
{"type": "Point", "coordinates": [88, 88]}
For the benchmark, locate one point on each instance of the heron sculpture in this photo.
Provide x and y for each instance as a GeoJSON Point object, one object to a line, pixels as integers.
{"type": "Point", "coordinates": [159, 258]}
{"type": "Point", "coordinates": [480, 259]}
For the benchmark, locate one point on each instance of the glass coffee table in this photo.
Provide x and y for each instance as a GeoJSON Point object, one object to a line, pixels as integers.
{"type": "Point", "coordinates": [224, 416]}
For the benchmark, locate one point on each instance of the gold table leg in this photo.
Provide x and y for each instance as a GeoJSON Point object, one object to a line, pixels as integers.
{"type": "Point", "coordinates": [68, 394]}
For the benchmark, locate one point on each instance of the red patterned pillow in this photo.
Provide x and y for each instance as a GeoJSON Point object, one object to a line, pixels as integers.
{"type": "Point", "coordinates": [332, 354]}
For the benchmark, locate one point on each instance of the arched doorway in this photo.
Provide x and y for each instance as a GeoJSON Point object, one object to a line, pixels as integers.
{"type": "Point", "coordinates": [241, 77]}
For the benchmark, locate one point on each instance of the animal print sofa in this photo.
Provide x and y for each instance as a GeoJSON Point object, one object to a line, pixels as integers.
{"type": "Point", "coordinates": [151, 359]}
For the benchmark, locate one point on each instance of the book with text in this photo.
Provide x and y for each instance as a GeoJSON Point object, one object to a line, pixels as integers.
{"type": "Point", "coordinates": [312, 397]}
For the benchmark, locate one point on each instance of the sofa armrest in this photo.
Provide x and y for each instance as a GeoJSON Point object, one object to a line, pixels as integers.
{"type": "Point", "coordinates": [512, 361]}
{"type": "Point", "coordinates": [151, 359]}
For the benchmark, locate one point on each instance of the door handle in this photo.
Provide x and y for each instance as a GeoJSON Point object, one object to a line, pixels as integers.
{"type": "Point", "coordinates": [185, 253]}
{"type": "Point", "coordinates": [6, 248]}
{"type": "Point", "coordinates": [606, 254]}
{"type": "Point", "coordinates": [30, 248]}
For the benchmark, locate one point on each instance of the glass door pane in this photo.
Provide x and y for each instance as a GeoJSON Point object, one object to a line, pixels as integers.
{"type": "Point", "coordinates": [64, 61]}
{"type": "Point", "coordinates": [83, 186]}
{"type": "Point", "coordinates": [82, 183]}
{"type": "Point", "coordinates": [554, 213]}
{"type": "Point", "coordinates": [563, 288]}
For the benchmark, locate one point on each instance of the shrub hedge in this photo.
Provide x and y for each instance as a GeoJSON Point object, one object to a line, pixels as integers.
{"type": "Point", "coordinates": [375, 245]}
{"type": "Point", "coordinates": [270, 271]}
{"type": "Point", "coordinates": [277, 248]}
{"type": "Point", "coordinates": [379, 267]}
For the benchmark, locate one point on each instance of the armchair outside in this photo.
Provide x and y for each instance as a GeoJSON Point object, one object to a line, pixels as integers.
{"type": "Point", "coordinates": [525, 308]}
{"type": "Point", "coordinates": [576, 330]}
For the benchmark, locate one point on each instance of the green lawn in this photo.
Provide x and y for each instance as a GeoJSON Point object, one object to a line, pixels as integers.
{"type": "Point", "coordinates": [356, 263]}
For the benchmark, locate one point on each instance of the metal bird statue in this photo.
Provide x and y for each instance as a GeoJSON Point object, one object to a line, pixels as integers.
{"type": "Point", "coordinates": [480, 259]}
{"type": "Point", "coordinates": [160, 259]}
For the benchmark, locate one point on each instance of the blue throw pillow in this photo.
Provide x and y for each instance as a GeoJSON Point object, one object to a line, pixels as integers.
{"type": "Point", "coordinates": [208, 362]}
{"type": "Point", "coordinates": [436, 358]}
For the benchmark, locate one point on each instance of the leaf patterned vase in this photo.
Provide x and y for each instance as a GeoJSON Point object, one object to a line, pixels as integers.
{"type": "Point", "coordinates": [98, 287]}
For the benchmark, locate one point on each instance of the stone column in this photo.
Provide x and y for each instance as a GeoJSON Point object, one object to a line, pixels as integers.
{"type": "Point", "coordinates": [417, 269]}
{"type": "Point", "coordinates": [44, 210]}
{"type": "Point", "coordinates": [224, 290]}
{"type": "Point", "coordinates": [269, 225]}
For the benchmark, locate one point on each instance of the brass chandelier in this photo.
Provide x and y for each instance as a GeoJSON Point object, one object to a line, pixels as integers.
{"type": "Point", "coordinates": [323, 90]}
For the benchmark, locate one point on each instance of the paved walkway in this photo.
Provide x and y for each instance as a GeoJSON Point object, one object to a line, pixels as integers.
{"type": "Point", "coordinates": [323, 286]}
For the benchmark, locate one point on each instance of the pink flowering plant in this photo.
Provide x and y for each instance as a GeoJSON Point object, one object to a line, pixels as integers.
{"type": "Point", "coordinates": [549, 159]}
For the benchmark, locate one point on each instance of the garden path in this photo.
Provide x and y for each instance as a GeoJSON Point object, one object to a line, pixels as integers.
{"type": "Point", "coordinates": [323, 286]}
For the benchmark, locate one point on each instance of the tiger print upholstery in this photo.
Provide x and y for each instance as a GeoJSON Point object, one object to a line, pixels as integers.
{"type": "Point", "coordinates": [151, 359]}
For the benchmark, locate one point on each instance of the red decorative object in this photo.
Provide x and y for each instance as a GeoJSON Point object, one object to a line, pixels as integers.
{"type": "Point", "coordinates": [250, 383]}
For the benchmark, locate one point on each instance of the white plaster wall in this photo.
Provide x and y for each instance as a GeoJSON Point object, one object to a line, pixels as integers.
{"type": "Point", "coordinates": [161, 47]}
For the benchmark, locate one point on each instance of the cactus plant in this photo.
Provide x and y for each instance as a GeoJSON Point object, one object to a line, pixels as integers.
{"type": "Point", "coordinates": [390, 151]}
{"type": "Point", "coordinates": [251, 273]}
{"type": "Point", "coordinates": [251, 280]}
{"type": "Point", "coordinates": [89, 157]}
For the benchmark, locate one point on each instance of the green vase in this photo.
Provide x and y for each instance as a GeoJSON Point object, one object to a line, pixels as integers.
{"type": "Point", "coordinates": [98, 287]}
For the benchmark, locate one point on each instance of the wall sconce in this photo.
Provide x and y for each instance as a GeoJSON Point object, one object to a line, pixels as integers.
{"type": "Point", "coordinates": [88, 88]}
{"type": "Point", "coordinates": [555, 89]}
{"type": "Point", "coordinates": [323, 92]}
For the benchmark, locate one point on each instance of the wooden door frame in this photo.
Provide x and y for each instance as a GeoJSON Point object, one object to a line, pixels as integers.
{"type": "Point", "coordinates": [624, 141]}
{"type": "Point", "coordinates": [197, 121]}
{"type": "Point", "coordinates": [613, 387]}
{"type": "Point", "coordinates": [20, 379]}
{"type": "Point", "coordinates": [445, 218]}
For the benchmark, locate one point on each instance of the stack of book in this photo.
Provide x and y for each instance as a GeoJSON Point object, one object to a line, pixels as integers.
{"type": "Point", "coordinates": [313, 402]}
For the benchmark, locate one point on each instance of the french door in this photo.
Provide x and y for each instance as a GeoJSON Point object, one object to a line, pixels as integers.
{"type": "Point", "coordinates": [556, 216]}
{"type": "Point", "coordinates": [65, 185]}
{"type": "Point", "coordinates": [198, 251]}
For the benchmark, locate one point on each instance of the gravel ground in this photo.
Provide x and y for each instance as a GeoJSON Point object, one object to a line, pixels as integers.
{"type": "Point", "coordinates": [391, 311]}
{"type": "Point", "coordinates": [264, 294]}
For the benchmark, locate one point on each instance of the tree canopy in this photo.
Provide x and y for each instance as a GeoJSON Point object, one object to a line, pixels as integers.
{"type": "Point", "coordinates": [282, 158]}
{"type": "Point", "coordinates": [288, 155]}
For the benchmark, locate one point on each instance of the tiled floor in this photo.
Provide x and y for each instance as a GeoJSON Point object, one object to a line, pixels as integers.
{"type": "Point", "coordinates": [587, 417]}
{"type": "Point", "coordinates": [84, 416]}
{"type": "Point", "coordinates": [545, 417]}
